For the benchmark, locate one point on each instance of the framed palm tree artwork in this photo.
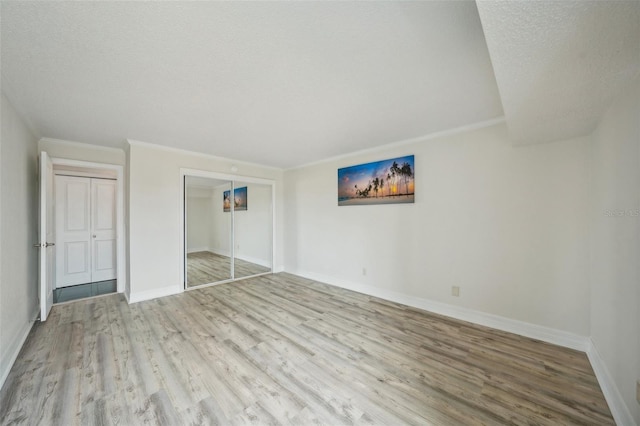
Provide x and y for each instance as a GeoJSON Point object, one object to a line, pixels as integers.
{"type": "Point", "coordinates": [381, 182]}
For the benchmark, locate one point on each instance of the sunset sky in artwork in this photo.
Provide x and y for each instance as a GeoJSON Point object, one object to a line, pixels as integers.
{"type": "Point", "coordinates": [362, 174]}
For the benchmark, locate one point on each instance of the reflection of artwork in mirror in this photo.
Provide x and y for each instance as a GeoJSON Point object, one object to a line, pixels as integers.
{"type": "Point", "coordinates": [239, 199]}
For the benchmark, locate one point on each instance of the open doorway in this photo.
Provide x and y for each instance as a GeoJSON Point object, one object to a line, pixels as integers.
{"type": "Point", "coordinates": [85, 232]}
{"type": "Point", "coordinates": [88, 227]}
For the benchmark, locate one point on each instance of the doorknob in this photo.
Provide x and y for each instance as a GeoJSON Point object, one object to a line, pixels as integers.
{"type": "Point", "coordinates": [94, 235]}
{"type": "Point", "coordinates": [44, 245]}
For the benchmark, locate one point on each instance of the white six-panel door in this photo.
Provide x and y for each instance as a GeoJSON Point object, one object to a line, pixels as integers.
{"type": "Point", "coordinates": [85, 230]}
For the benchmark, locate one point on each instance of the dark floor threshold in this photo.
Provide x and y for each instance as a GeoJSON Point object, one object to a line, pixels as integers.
{"type": "Point", "coordinates": [82, 291]}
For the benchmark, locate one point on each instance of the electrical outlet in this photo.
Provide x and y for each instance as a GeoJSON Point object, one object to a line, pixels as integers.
{"type": "Point", "coordinates": [364, 271]}
{"type": "Point", "coordinates": [455, 291]}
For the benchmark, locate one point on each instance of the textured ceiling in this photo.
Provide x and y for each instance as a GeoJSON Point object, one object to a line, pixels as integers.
{"type": "Point", "coordinates": [559, 64]}
{"type": "Point", "coordinates": [288, 83]}
{"type": "Point", "coordinates": [277, 83]}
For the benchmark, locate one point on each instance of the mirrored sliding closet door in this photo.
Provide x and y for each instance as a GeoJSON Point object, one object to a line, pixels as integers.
{"type": "Point", "coordinates": [228, 229]}
{"type": "Point", "coordinates": [208, 231]}
{"type": "Point", "coordinates": [252, 224]}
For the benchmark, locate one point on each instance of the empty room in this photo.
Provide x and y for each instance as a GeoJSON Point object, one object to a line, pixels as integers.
{"type": "Point", "coordinates": [320, 212]}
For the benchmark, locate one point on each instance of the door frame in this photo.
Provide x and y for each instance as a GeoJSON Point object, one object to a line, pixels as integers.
{"type": "Point", "coordinates": [121, 275]}
{"type": "Point", "coordinates": [181, 219]}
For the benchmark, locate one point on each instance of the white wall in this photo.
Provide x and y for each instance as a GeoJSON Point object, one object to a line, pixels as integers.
{"type": "Point", "coordinates": [252, 227]}
{"type": "Point", "coordinates": [199, 227]}
{"type": "Point", "coordinates": [615, 243]}
{"type": "Point", "coordinates": [82, 151]}
{"type": "Point", "coordinates": [507, 225]}
{"type": "Point", "coordinates": [155, 210]}
{"type": "Point", "coordinates": [220, 236]}
{"type": "Point", "coordinates": [18, 230]}
{"type": "Point", "coordinates": [199, 219]}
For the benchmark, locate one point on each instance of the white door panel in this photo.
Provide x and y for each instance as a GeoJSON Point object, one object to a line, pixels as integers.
{"type": "Point", "coordinates": [76, 257]}
{"type": "Point", "coordinates": [105, 255]}
{"type": "Point", "coordinates": [103, 208]}
{"type": "Point", "coordinates": [75, 202]}
{"type": "Point", "coordinates": [73, 230]}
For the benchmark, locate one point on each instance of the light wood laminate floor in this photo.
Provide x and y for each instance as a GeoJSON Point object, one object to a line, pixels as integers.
{"type": "Point", "coordinates": [280, 349]}
{"type": "Point", "coordinates": [204, 267]}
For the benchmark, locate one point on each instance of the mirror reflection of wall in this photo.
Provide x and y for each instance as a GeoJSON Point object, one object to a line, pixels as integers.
{"type": "Point", "coordinates": [222, 225]}
{"type": "Point", "coordinates": [252, 229]}
{"type": "Point", "coordinates": [208, 231]}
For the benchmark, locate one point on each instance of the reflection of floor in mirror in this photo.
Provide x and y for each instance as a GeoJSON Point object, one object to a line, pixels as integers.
{"type": "Point", "coordinates": [204, 267]}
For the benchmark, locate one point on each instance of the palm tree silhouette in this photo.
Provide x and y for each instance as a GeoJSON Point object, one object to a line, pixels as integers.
{"type": "Point", "coordinates": [376, 184]}
{"type": "Point", "coordinates": [382, 186]}
{"type": "Point", "coordinates": [406, 173]}
{"type": "Point", "coordinates": [389, 184]}
{"type": "Point", "coordinates": [395, 171]}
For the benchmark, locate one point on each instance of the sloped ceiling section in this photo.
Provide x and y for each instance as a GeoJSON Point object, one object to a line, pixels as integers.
{"type": "Point", "coordinates": [277, 83]}
{"type": "Point", "coordinates": [559, 64]}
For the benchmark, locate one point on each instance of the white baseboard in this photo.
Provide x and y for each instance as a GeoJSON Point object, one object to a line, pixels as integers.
{"type": "Point", "coordinates": [218, 251]}
{"type": "Point", "coordinates": [155, 293]}
{"type": "Point", "coordinates": [619, 409]}
{"type": "Point", "coordinates": [13, 349]}
{"type": "Point", "coordinates": [546, 334]}
{"type": "Point", "coordinates": [255, 260]}
{"type": "Point", "coordinates": [197, 249]}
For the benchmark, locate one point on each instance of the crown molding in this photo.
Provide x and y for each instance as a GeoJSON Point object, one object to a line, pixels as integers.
{"type": "Point", "coordinates": [133, 142]}
{"type": "Point", "coordinates": [404, 142]}
{"type": "Point", "coordinates": [81, 145]}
